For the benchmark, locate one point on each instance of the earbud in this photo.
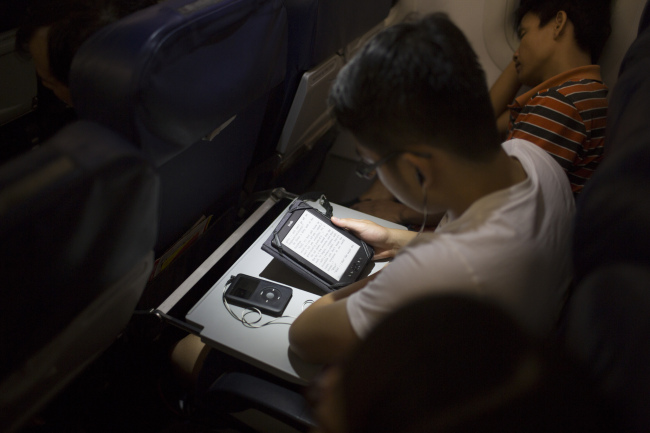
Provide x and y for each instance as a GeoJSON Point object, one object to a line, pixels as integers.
{"type": "Point", "coordinates": [420, 177]}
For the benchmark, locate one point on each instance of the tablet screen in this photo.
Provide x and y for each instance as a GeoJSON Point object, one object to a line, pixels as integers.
{"type": "Point", "coordinates": [321, 245]}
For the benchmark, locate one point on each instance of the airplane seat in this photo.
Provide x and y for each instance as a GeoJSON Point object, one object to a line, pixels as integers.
{"type": "Point", "coordinates": [319, 34]}
{"type": "Point", "coordinates": [607, 322]}
{"type": "Point", "coordinates": [187, 81]}
{"type": "Point", "coordinates": [78, 223]}
{"type": "Point", "coordinates": [627, 100]}
{"type": "Point", "coordinates": [613, 197]}
{"type": "Point", "coordinates": [625, 19]}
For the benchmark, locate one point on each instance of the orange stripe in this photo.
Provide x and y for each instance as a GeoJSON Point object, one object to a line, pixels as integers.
{"type": "Point", "coordinates": [578, 87]}
{"type": "Point", "coordinates": [552, 126]}
{"type": "Point", "coordinates": [599, 123]}
{"type": "Point", "coordinates": [584, 173]}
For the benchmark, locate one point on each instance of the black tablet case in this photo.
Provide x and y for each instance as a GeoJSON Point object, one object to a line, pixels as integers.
{"type": "Point", "coordinates": [296, 266]}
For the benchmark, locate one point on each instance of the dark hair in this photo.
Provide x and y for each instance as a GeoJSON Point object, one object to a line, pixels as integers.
{"type": "Point", "coordinates": [418, 82]}
{"type": "Point", "coordinates": [591, 20]}
{"type": "Point", "coordinates": [71, 23]}
{"type": "Point", "coordinates": [452, 363]}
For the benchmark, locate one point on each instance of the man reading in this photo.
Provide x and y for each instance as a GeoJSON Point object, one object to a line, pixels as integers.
{"type": "Point", "coordinates": [416, 100]}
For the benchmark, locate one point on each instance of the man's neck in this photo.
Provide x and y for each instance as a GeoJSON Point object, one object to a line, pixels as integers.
{"type": "Point", "coordinates": [567, 57]}
{"type": "Point", "coordinates": [477, 180]}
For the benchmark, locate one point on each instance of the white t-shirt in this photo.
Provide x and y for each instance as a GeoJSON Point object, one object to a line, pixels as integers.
{"type": "Point", "coordinates": [512, 246]}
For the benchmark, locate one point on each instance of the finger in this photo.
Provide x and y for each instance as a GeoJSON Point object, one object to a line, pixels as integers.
{"type": "Point", "coordinates": [338, 221]}
{"type": "Point", "coordinates": [342, 222]}
{"type": "Point", "coordinates": [388, 254]}
{"type": "Point", "coordinates": [351, 224]}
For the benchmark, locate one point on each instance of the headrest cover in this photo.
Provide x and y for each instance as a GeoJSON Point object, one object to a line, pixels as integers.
{"type": "Point", "coordinates": [171, 74]}
{"type": "Point", "coordinates": [318, 29]}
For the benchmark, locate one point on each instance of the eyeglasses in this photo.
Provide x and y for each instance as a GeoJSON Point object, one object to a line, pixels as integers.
{"type": "Point", "coordinates": [368, 171]}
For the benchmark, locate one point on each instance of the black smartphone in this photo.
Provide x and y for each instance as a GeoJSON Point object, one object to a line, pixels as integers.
{"type": "Point", "coordinates": [310, 239]}
{"type": "Point", "coordinates": [250, 292]}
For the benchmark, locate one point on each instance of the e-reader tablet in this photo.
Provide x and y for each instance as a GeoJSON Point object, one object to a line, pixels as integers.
{"type": "Point", "coordinates": [308, 242]}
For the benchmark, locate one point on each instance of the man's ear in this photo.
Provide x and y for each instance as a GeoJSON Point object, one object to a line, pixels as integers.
{"type": "Point", "coordinates": [420, 166]}
{"type": "Point", "coordinates": [561, 19]}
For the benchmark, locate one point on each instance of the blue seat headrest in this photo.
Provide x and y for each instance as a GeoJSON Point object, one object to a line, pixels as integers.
{"type": "Point", "coordinates": [171, 74]}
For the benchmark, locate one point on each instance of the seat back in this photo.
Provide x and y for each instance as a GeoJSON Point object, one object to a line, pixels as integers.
{"type": "Point", "coordinates": [615, 209]}
{"type": "Point", "coordinates": [320, 34]}
{"type": "Point", "coordinates": [625, 20]}
{"type": "Point", "coordinates": [77, 228]}
{"type": "Point", "coordinates": [626, 122]}
{"type": "Point", "coordinates": [187, 81]}
{"type": "Point", "coordinates": [608, 317]}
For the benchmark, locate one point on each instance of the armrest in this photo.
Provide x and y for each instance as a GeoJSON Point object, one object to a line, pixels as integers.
{"type": "Point", "coordinates": [234, 392]}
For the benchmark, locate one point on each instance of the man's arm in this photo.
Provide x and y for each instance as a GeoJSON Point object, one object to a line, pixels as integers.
{"type": "Point", "coordinates": [323, 332]}
{"type": "Point", "coordinates": [502, 93]}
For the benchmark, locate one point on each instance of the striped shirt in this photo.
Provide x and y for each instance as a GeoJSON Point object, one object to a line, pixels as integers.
{"type": "Point", "coordinates": [565, 116]}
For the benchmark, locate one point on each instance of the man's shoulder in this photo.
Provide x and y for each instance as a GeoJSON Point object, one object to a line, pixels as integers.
{"type": "Point", "coordinates": [518, 146]}
{"type": "Point", "coordinates": [575, 90]}
{"type": "Point", "coordinates": [534, 159]}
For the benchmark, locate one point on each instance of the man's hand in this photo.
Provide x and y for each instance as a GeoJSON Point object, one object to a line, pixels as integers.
{"type": "Point", "coordinates": [502, 93]}
{"type": "Point", "coordinates": [386, 242]}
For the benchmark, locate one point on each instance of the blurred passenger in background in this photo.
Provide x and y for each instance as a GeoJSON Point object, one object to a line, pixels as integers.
{"type": "Point", "coordinates": [50, 33]}
{"type": "Point", "coordinates": [53, 31]}
{"type": "Point", "coordinates": [454, 364]}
